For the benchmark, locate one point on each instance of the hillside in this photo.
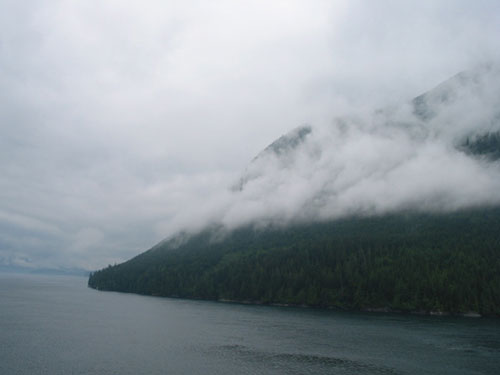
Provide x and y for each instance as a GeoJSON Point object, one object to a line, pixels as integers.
{"type": "Point", "coordinates": [406, 262]}
{"type": "Point", "coordinates": [400, 211]}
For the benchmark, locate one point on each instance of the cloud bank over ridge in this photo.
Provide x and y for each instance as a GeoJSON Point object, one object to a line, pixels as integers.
{"type": "Point", "coordinates": [410, 157]}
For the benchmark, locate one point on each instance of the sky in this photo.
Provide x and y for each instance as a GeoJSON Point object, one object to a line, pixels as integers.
{"type": "Point", "coordinates": [123, 122]}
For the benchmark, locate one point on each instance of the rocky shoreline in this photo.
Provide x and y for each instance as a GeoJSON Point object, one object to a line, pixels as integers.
{"type": "Point", "coordinates": [469, 314]}
{"type": "Point", "coordinates": [388, 310]}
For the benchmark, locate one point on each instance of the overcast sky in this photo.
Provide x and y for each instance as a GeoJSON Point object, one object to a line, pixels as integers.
{"type": "Point", "coordinates": [117, 118]}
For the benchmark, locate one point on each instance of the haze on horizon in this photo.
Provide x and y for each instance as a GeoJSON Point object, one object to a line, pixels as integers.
{"type": "Point", "coordinates": [122, 123]}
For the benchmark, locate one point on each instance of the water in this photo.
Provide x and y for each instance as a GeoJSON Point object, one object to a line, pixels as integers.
{"type": "Point", "coordinates": [56, 325]}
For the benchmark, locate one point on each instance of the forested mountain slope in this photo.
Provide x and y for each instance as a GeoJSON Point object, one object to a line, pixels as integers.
{"type": "Point", "coordinates": [447, 262]}
{"type": "Point", "coordinates": [398, 210]}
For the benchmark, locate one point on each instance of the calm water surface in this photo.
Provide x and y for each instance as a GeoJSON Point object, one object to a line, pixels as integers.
{"type": "Point", "coordinates": [56, 325]}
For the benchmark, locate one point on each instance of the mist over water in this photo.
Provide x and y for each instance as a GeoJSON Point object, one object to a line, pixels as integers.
{"type": "Point", "coordinates": [56, 325]}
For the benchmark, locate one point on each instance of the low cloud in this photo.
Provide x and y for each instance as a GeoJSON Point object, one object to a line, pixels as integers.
{"type": "Point", "coordinates": [409, 157]}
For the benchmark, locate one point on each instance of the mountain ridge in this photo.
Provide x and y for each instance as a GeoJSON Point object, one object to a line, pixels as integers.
{"type": "Point", "coordinates": [354, 258]}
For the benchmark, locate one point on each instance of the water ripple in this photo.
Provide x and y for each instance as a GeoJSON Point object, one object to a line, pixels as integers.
{"type": "Point", "coordinates": [301, 363]}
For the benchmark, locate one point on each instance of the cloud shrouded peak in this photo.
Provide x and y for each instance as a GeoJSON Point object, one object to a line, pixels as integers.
{"type": "Point", "coordinates": [429, 154]}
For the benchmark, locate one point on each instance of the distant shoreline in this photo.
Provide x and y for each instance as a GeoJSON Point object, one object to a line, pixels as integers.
{"type": "Point", "coordinates": [44, 271]}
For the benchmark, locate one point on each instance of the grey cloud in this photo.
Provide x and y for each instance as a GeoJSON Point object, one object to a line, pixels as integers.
{"type": "Point", "coordinates": [121, 123]}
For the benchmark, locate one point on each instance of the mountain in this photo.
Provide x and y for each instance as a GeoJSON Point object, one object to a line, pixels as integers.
{"type": "Point", "coordinates": [398, 211]}
{"type": "Point", "coordinates": [410, 262]}
{"type": "Point", "coordinates": [282, 150]}
{"type": "Point", "coordinates": [480, 84]}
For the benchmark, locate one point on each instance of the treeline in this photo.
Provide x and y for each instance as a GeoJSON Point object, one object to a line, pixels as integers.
{"type": "Point", "coordinates": [487, 145]}
{"type": "Point", "coordinates": [408, 262]}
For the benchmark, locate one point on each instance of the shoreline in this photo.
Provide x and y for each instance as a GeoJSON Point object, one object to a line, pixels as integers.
{"type": "Point", "coordinates": [376, 310]}
{"type": "Point", "coordinates": [386, 310]}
